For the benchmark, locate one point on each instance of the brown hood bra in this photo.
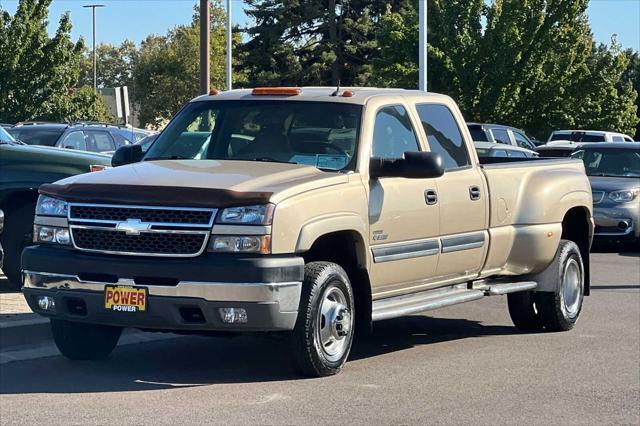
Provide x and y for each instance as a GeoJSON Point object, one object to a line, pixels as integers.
{"type": "Point", "coordinates": [153, 195]}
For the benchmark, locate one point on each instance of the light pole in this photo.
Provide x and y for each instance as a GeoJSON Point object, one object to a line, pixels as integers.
{"type": "Point", "coordinates": [229, 46]}
{"type": "Point", "coordinates": [422, 44]}
{"type": "Point", "coordinates": [95, 61]}
{"type": "Point", "coordinates": [205, 51]}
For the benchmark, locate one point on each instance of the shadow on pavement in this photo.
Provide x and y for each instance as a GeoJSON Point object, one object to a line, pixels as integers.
{"type": "Point", "coordinates": [201, 361]}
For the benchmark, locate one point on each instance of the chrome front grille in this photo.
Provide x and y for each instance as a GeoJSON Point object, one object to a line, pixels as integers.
{"type": "Point", "coordinates": [140, 230]}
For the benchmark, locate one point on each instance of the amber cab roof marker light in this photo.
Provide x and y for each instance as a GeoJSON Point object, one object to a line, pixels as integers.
{"type": "Point", "coordinates": [276, 91]}
{"type": "Point", "coordinates": [213, 92]}
{"type": "Point", "coordinates": [347, 94]}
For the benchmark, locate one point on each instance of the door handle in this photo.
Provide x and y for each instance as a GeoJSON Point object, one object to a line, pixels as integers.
{"type": "Point", "coordinates": [474, 192]}
{"type": "Point", "coordinates": [430, 197]}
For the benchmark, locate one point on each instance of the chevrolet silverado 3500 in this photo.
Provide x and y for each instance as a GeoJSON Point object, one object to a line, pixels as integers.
{"type": "Point", "coordinates": [311, 212]}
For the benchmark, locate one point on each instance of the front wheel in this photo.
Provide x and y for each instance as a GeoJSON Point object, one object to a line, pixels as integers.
{"type": "Point", "coordinates": [81, 341]}
{"type": "Point", "coordinates": [324, 329]}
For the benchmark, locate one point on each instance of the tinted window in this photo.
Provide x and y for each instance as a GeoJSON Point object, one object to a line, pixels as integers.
{"type": "Point", "coordinates": [522, 141]}
{"type": "Point", "coordinates": [4, 136]}
{"type": "Point", "coordinates": [577, 137]}
{"type": "Point", "coordinates": [393, 134]}
{"type": "Point", "coordinates": [478, 134]}
{"type": "Point", "coordinates": [499, 153]}
{"type": "Point", "coordinates": [319, 134]}
{"type": "Point", "coordinates": [74, 140]}
{"type": "Point", "coordinates": [501, 136]}
{"type": "Point", "coordinates": [443, 135]}
{"type": "Point", "coordinates": [32, 135]}
{"type": "Point", "coordinates": [101, 141]}
{"type": "Point", "coordinates": [554, 153]}
{"type": "Point", "coordinates": [618, 139]}
{"type": "Point", "coordinates": [612, 162]}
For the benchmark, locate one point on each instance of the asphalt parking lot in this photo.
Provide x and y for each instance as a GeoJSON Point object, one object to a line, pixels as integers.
{"type": "Point", "coordinates": [459, 365]}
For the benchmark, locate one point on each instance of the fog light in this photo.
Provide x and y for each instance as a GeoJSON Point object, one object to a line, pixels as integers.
{"type": "Point", "coordinates": [47, 303]}
{"type": "Point", "coordinates": [233, 315]}
{"type": "Point", "coordinates": [62, 236]}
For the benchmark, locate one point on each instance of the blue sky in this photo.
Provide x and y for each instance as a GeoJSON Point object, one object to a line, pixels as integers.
{"type": "Point", "coordinates": [135, 19]}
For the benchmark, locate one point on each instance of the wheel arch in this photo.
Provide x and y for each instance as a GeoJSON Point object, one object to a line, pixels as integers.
{"type": "Point", "coordinates": [347, 248]}
{"type": "Point", "coordinates": [577, 226]}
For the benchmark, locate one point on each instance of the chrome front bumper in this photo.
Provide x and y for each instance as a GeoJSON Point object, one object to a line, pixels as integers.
{"type": "Point", "coordinates": [270, 306]}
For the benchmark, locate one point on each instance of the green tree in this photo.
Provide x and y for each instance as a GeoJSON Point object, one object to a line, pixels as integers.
{"type": "Point", "coordinates": [115, 65]}
{"type": "Point", "coordinates": [312, 42]}
{"type": "Point", "coordinates": [38, 73]}
{"type": "Point", "coordinates": [166, 70]}
{"type": "Point", "coordinates": [530, 64]}
{"type": "Point", "coordinates": [632, 75]}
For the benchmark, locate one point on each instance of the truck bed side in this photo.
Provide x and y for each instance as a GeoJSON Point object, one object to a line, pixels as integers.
{"type": "Point", "coordinates": [529, 200]}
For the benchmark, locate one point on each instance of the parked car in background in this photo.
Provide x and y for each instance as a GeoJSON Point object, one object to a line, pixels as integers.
{"type": "Point", "coordinates": [134, 134]}
{"type": "Point", "coordinates": [614, 173]}
{"type": "Point", "coordinates": [588, 136]}
{"type": "Point", "coordinates": [6, 125]}
{"type": "Point", "coordinates": [23, 169]}
{"type": "Point", "coordinates": [91, 137]}
{"type": "Point", "coordinates": [488, 149]}
{"type": "Point", "coordinates": [557, 149]}
{"type": "Point", "coordinates": [498, 133]}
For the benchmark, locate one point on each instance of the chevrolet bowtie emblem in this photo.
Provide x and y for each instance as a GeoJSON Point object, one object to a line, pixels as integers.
{"type": "Point", "coordinates": [133, 226]}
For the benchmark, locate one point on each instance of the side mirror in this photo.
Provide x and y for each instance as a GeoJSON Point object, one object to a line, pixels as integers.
{"type": "Point", "coordinates": [127, 154]}
{"type": "Point", "coordinates": [414, 165]}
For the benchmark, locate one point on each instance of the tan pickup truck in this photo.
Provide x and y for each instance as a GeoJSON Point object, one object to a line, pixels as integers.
{"type": "Point", "coordinates": [310, 212]}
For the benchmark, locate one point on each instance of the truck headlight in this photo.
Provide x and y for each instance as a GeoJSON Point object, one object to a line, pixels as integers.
{"type": "Point", "coordinates": [247, 215]}
{"type": "Point", "coordinates": [51, 235]}
{"type": "Point", "coordinates": [624, 196]}
{"type": "Point", "coordinates": [48, 206]}
{"type": "Point", "coordinates": [240, 244]}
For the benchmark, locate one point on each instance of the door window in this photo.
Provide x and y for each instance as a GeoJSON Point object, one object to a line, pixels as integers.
{"type": "Point", "coordinates": [501, 136]}
{"type": "Point", "coordinates": [101, 141]}
{"type": "Point", "coordinates": [393, 134]}
{"type": "Point", "coordinates": [75, 140]}
{"type": "Point", "coordinates": [618, 139]}
{"type": "Point", "coordinates": [522, 141]}
{"type": "Point", "coordinates": [443, 135]}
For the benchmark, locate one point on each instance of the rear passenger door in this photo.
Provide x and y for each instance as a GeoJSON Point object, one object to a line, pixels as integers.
{"type": "Point", "coordinates": [462, 195]}
{"type": "Point", "coordinates": [403, 224]}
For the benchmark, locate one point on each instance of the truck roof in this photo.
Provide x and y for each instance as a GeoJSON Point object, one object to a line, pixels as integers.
{"type": "Point", "coordinates": [354, 95]}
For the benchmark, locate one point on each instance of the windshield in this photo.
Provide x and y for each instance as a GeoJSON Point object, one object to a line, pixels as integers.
{"type": "Point", "coordinates": [5, 137]}
{"type": "Point", "coordinates": [32, 135]}
{"type": "Point", "coordinates": [610, 162]}
{"type": "Point", "coordinates": [319, 134]}
{"type": "Point", "coordinates": [577, 137]}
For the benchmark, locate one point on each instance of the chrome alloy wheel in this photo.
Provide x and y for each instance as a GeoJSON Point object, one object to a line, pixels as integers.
{"type": "Point", "coordinates": [572, 288]}
{"type": "Point", "coordinates": [334, 323]}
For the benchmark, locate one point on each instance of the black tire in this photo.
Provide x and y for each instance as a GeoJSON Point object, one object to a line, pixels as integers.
{"type": "Point", "coordinates": [17, 234]}
{"type": "Point", "coordinates": [556, 313]}
{"type": "Point", "coordinates": [81, 341]}
{"type": "Point", "coordinates": [323, 280]}
{"type": "Point", "coordinates": [523, 311]}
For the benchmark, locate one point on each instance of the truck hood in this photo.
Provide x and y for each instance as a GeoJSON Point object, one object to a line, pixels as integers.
{"type": "Point", "coordinates": [275, 181]}
{"type": "Point", "coordinates": [608, 184]}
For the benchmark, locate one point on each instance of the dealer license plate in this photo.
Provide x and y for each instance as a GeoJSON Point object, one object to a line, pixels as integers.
{"type": "Point", "coordinates": [125, 298]}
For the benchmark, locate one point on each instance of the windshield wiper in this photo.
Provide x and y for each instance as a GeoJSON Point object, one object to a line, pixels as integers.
{"type": "Point", "coordinates": [270, 160]}
{"type": "Point", "coordinates": [173, 157]}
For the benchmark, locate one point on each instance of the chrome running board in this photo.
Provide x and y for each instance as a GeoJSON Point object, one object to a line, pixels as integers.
{"type": "Point", "coordinates": [397, 306]}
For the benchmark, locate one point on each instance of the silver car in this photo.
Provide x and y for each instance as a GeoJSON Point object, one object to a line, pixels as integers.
{"type": "Point", "coordinates": [614, 173]}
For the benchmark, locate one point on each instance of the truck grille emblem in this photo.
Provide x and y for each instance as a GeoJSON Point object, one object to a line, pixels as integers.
{"type": "Point", "coordinates": [133, 226]}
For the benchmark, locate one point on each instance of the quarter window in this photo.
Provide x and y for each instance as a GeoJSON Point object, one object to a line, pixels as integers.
{"type": "Point", "coordinates": [443, 135]}
{"type": "Point", "coordinates": [393, 134]}
{"type": "Point", "coordinates": [522, 141]}
{"type": "Point", "coordinates": [501, 136]}
{"type": "Point", "coordinates": [75, 140]}
{"type": "Point", "coordinates": [101, 141]}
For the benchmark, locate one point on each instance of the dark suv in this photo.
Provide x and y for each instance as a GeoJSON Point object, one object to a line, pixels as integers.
{"type": "Point", "coordinates": [91, 137]}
